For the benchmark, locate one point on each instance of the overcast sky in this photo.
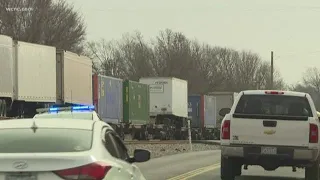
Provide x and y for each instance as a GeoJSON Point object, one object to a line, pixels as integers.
{"type": "Point", "coordinates": [290, 28]}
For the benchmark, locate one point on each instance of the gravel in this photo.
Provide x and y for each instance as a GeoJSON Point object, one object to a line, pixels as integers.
{"type": "Point", "coordinates": [158, 150]}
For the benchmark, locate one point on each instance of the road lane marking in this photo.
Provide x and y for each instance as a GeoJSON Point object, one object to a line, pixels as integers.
{"type": "Point", "coordinates": [195, 172]}
{"type": "Point", "coordinates": [204, 171]}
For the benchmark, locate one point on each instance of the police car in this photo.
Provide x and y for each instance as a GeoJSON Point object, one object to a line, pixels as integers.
{"type": "Point", "coordinates": [72, 112]}
{"type": "Point", "coordinates": [65, 149]}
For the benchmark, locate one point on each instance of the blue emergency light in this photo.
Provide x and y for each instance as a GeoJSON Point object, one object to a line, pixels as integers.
{"type": "Point", "coordinates": [53, 109]}
{"type": "Point", "coordinates": [73, 108]}
{"type": "Point", "coordinates": [88, 108]}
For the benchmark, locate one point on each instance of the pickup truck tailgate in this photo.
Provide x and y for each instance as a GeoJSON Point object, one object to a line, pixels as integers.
{"type": "Point", "coordinates": [258, 131]}
{"type": "Point", "coordinates": [271, 119]}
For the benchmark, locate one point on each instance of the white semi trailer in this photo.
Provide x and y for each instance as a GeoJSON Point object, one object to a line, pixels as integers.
{"type": "Point", "coordinates": [168, 106]}
{"type": "Point", "coordinates": [35, 76]}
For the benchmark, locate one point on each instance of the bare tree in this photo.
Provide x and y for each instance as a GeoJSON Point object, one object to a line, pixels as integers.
{"type": "Point", "coordinates": [205, 75]}
{"type": "Point", "coordinates": [312, 78]}
{"type": "Point", "coordinates": [177, 56]}
{"type": "Point", "coordinates": [310, 85]}
{"type": "Point", "coordinates": [244, 70]}
{"type": "Point", "coordinates": [130, 57]}
{"type": "Point", "coordinates": [107, 58]}
{"type": "Point", "coordinates": [48, 22]}
{"type": "Point", "coordinates": [171, 54]}
{"type": "Point", "coordinates": [138, 56]}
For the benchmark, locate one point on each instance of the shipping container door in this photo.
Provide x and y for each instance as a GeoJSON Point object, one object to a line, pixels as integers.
{"type": "Point", "coordinates": [95, 91]}
{"type": "Point", "coordinates": [210, 120]}
{"type": "Point", "coordinates": [194, 102]}
{"type": "Point", "coordinates": [125, 99]}
{"type": "Point", "coordinates": [138, 103]}
{"type": "Point", "coordinates": [6, 67]}
{"type": "Point", "coordinates": [110, 99]}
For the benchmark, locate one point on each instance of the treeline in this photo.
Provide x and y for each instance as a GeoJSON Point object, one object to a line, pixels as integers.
{"type": "Point", "coordinates": [310, 84]}
{"type": "Point", "coordinates": [207, 68]}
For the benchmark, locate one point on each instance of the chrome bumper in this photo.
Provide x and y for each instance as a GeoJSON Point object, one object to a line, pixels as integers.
{"type": "Point", "coordinates": [288, 152]}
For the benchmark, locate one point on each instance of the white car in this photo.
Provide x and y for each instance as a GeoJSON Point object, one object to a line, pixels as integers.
{"type": "Point", "coordinates": [76, 112]}
{"type": "Point", "coordinates": [61, 149]}
{"type": "Point", "coordinates": [270, 129]}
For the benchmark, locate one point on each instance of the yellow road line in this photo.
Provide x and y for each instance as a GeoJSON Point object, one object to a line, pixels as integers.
{"type": "Point", "coordinates": [206, 170]}
{"type": "Point", "coordinates": [195, 172]}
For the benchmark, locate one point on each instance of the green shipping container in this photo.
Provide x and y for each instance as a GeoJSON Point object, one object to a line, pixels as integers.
{"type": "Point", "coordinates": [135, 103]}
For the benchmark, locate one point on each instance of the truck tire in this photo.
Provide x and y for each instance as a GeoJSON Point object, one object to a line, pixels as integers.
{"type": "Point", "coordinates": [4, 108]}
{"type": "Point", "coordinates": [1, 108]}
{"type": "Point", "coordinates": [312, 173]}
{"type": "Point", "coordinates": [238, 170]}
{"type": "Point", "coordinates": [227, 171]}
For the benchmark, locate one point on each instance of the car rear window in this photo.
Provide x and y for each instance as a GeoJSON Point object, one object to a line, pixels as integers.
{"type": "Point", "coordinates": [84, 116]}
{"type": "Point", "coordinates": [44, 140]}
{"type": "Point", "coordinates": [273, 105]}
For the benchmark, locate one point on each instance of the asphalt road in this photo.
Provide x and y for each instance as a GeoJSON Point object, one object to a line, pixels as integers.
{"type": "Point", "coordinates": [255, 173]}
{"type": "Point", "coordinates": [206, 166]}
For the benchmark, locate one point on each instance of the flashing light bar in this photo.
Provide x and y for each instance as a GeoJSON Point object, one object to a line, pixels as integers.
{"type": "Point", "coordinates": [73, 108]}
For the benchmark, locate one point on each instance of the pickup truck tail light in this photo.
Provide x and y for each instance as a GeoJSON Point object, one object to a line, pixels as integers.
{"type": "Point", "coordinates": [225, 129]}
{"type": "Point", "coordinates": [313, 133]}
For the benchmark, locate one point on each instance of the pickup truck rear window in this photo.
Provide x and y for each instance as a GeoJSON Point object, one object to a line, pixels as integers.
{"type": "Point", "coordinates": [274, 105]}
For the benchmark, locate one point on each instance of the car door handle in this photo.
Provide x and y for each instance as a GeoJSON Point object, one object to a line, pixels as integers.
{"type": "Point", "coordinates": [270, 123]}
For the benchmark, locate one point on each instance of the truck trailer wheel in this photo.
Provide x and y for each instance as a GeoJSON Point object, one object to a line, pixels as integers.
{"type": "Point", "coordinates": [4, 108]}
{"type": "Point", "coordinates": [227, 169]}
{"type": "Point", "coordinates": [312, 173]}
{"type": "Point", "coordinates": [2, 103]}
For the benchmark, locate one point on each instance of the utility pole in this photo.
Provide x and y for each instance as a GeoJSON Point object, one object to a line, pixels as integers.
{"type": "Point", "coordinates": [271, 78]}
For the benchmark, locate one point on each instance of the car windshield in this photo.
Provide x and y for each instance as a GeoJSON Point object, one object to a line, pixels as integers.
{"type": "Point", "coordinates": [67, 115]}
{"type": "Point", "coordinates": [277, 105]}
{"type": "Point", "coordinates": [44, 140]}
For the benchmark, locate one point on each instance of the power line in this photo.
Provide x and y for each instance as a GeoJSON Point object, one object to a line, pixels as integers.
{"type": "Point", "coordinates": [201, 9]}
{"type": "Point", "coordinates": [296, 53]}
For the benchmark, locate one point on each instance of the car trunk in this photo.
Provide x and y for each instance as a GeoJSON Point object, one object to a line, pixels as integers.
{"type": "Point", "coordinates": [39, 166]}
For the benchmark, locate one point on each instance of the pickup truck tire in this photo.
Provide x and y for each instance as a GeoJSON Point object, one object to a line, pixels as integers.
{"type": "Point", "coordinates": [238, 170]}
{"type": "Point", "coordinates": [228, 169]}
{"type": "Point", "coordinates": [312, 173]}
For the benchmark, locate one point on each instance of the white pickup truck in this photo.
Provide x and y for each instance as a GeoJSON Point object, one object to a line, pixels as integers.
{"type": "Point", "coordinates": [270, 129]}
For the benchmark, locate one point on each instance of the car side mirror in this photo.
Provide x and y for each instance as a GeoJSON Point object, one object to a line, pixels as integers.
{"type": "Point", "coordinates": [224, 111]}
{"type": "Point", "coordinates": [140, 155]}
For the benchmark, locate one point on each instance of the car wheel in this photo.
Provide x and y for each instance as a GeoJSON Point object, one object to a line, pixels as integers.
{"type": "Point", "coordinates": [312, 173]}
{"type": "Point", "coordinates": [227, 169]}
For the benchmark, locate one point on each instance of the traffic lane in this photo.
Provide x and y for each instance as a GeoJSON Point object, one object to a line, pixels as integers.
{"type": "Point", "coordinates": [255, 173]}
{"type": "Point", "coordinates": [167, 167]}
